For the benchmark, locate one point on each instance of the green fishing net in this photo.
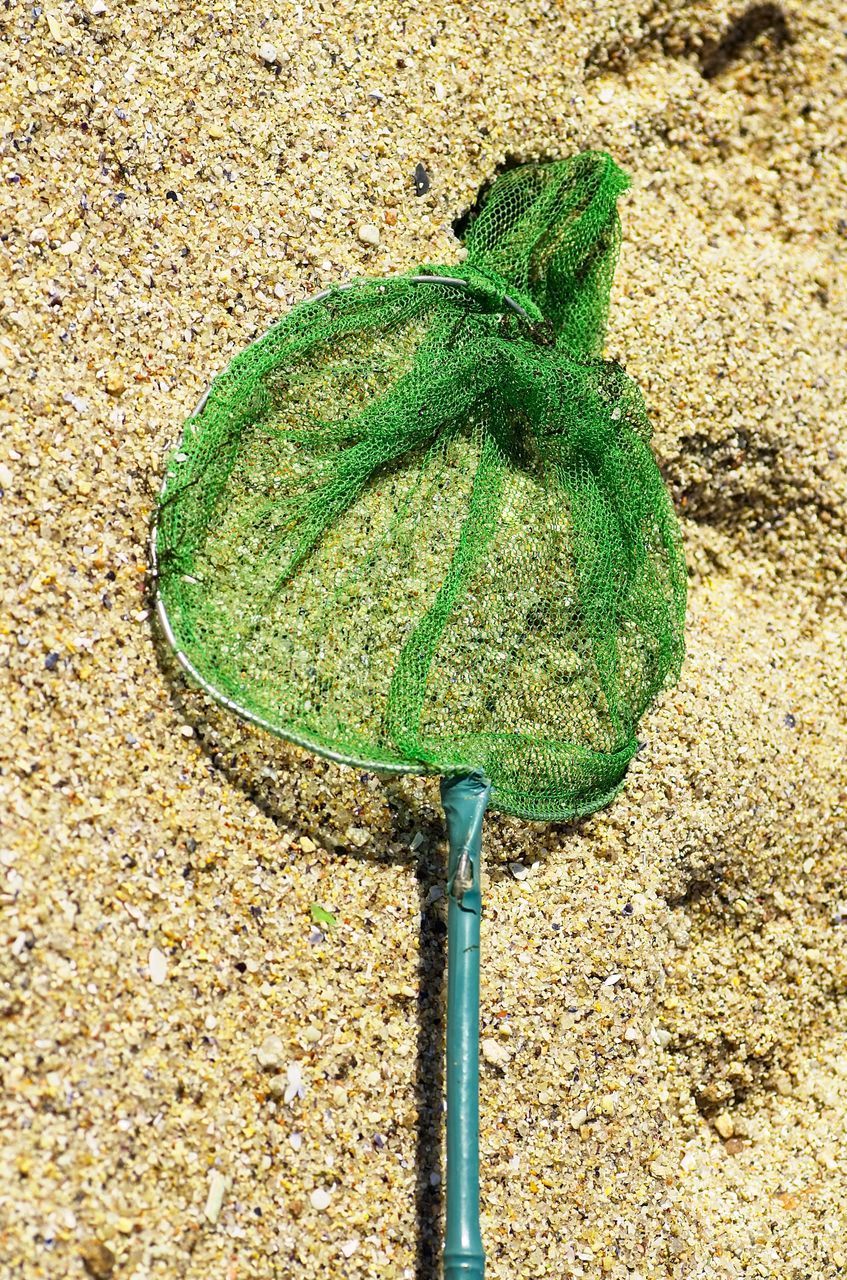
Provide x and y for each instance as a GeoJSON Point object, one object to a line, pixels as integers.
{"type": "Point", "coordinates": [418, 525]}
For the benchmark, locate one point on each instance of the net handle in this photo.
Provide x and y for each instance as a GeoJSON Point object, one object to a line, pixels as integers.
{"type": "Point", "coordinates": [465, 800]}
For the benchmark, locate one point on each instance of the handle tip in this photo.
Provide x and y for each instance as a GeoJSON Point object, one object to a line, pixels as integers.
{"type": "Point", "coordinates": [463, 1266]}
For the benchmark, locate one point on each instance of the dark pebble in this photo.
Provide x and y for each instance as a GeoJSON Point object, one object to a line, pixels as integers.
{"type": "Point", "coordinates": [51, 661]}
{"type": "Point", "coordinates": [97, 1258]}
{"type": "Point", "coordinates": [421, 180]}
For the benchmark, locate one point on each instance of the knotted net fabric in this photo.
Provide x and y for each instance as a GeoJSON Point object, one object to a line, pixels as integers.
{"type": "Point", "coordinates": [412, 528]}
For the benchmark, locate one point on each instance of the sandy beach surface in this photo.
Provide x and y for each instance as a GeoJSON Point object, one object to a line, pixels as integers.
{"type": "Point", "coordinates": [200, 1081]}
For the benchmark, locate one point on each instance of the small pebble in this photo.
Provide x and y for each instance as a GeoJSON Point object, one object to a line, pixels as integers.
{"type": "Point", "coordinates": [277, 1086]}
{"type": "Point", "coordinates": [368, 233]}
{"type": "Point", "coordinates": [725, 1125]}
{"type": "Point", "coordinates": [271, 1053]}
{"type": "Point", "coordinates": [157, 964]}
{"type": "Point", "coordinates": [421, 180]}
{"type": "Point", "coordinates": [783, 1084]}
{"type": "Point", "coordinates": [215, 1198]}
{"type": "Point", "coordinates": [98, 8]}
{"type": "Point", "coordinates": [320, 1198]}
{"type": "Point", "coordinates": [268, 53]}
{"type": "Point", "coordinates": [115, 382]}
{"type": "Point", "coordinates": [294, 1087]}
{"type": "Point", "coordinates": [97, 1258]}
{"type": "Point", "coordinates": [295, 1141]}
{"type": "Point", "coordinates": [495, 1052]}
{"type": "Point", "coordinates": [349, 1247]}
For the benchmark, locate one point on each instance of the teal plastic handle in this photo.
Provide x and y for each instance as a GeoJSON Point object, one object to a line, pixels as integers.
{"type": "Point", "coordinates": [465, 800]}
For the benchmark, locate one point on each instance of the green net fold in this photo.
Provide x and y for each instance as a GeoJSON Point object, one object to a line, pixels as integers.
{"type": "Point", "coordinates": [420, 526]}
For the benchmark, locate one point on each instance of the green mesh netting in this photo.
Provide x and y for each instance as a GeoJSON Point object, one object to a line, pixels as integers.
{"type": "Point", "coordinates": [412, 528]}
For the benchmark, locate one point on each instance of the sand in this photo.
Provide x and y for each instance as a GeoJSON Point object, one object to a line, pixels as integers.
{"type": "Point", "coordinates": [668, 979]}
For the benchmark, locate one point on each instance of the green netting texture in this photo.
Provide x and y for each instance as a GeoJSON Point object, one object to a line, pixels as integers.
{"type": "Point", "coordinates": [414, 528]}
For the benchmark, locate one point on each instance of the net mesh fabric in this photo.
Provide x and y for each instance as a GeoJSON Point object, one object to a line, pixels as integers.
{"type": "Point", "coordinates": [412, 528]}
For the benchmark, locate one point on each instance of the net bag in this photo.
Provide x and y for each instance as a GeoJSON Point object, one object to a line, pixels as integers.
{"type": "Point", "coordinates": [418, 524]}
